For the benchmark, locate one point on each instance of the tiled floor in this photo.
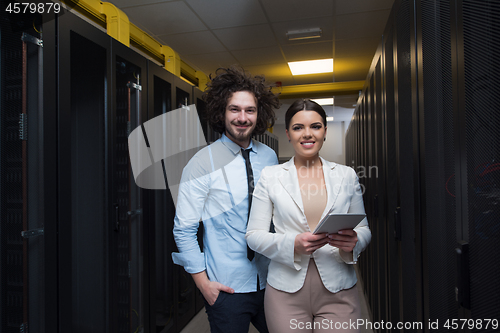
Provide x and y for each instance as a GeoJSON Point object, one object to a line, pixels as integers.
{"type": "Point", "coordinates": [199, 324]}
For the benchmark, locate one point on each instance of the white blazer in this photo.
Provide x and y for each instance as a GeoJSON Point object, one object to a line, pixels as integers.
{"type": "Point", "coordinates": [277, 196]}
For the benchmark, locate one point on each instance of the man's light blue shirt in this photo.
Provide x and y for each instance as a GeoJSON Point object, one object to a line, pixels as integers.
{"type": "Point", "coordinates": [214, 189]}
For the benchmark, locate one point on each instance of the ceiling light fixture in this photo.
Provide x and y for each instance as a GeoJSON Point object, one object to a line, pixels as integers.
{"type": "Point", "coordinates": [323, 101]}
{"type": "Point", "coordinates": [304, 34]}
{"type": "Point", "coordinates": [329, 118]}
{"type": "Point", "coordinates": [311, 66]}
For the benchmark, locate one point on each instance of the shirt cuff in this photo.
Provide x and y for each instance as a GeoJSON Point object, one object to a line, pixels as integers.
{"type": "Point", "coordinates": [348, 257]}
{"type": "Point", "coordinates": [192, 262]}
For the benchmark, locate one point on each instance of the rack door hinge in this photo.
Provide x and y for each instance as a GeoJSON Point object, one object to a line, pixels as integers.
{"type": "Point", "coordinates": [23, 126]}
{"type": "Point", "coordinates": [32, 233]}
{"type": "Point", "coordinates": [28, 38]}
{"type": "Point", "coordinates": [134, 212]}
{"type": "Point", "coordinates": [134, 85]}
{"type": "Point", "coordinates": [23, 328]}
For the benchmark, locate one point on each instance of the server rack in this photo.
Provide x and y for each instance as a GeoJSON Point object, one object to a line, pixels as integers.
{"type": "Point", "coordinates": [404, 103]}
{"type": "Point", "coordinates": [208, 133]}
{"type": "Point", "coordinates": [390, 172]}
{"type": "Point", "coordinates": [163, 299]}
{"type": "Point", "coordinates": [186, 290]}
{"type": "Point", "coordinates": [94, 177]}
{"type": "Point", "coordinates": [268, 139]}
{"type": "Point", "coordinates": [432, 211]}
{"type": "Point", "coordinates": [22, 245]}
{"type": "Point", "coordinates": [103, 262]}
{"type": "Point", "coordinates": [130, 73]}
{"type": "Point", "coordinates": [477, 190]}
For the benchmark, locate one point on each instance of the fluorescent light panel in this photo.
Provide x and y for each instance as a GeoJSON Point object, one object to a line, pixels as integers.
{"type": "Point", "coordinates": [311, 66]}
{"type": "Point", "coordinates": [323, 101]}
{"type": "Point", "coordinates": [329, 118]}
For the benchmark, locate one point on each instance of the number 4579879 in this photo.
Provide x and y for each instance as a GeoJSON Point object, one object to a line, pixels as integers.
{"type": "Point", "coordinates": [472, 324]}
{"type": "Point", "coordinates": [33, 8]}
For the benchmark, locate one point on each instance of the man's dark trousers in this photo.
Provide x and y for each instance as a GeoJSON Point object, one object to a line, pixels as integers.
{"type": "Point", "coordinates": [234, 312]}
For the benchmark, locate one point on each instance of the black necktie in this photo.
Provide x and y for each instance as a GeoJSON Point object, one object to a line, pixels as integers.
{"type": "Point", "coordinates": [246, 156]}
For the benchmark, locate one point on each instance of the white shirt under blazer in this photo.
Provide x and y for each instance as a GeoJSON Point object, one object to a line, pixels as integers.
{"type": "Point", "coordinates": [277, 195]}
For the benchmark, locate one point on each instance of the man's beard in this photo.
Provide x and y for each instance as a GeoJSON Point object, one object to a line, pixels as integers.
{"type": "Point", "coordinates": [240, 136]}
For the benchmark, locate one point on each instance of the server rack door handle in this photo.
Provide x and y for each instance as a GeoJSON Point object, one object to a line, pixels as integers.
{"type": "Point", "coordinates": [397, 224]}
{"type": "Point", "coordinates": [462, 290]}
{"type": "Point", "coordinates": [117, 217]}
{"type": "Point", "coordinates": [134, 212]}
{"type": "Point", "coordinates": [32, 233]}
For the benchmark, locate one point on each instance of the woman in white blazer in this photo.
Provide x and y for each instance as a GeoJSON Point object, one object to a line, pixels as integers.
{"type": "Point", "coordinates": [311, 284]}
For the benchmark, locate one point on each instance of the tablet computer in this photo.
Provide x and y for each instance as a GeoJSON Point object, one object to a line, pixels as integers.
{"type": "Point", "coordinates": [332, 223]}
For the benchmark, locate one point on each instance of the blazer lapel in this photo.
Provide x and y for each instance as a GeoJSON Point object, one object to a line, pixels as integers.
{"type": "Point", "coordinates": [289, 180]}
{"type": "Point", "coordinates": [333, 182]}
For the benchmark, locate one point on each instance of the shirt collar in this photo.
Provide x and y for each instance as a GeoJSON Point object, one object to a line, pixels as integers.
{"type": "Point", "coordinates": [234, 147]}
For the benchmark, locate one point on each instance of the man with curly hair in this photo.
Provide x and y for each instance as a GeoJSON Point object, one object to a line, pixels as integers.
{"type": "Point", "coordinates": [216, 188]}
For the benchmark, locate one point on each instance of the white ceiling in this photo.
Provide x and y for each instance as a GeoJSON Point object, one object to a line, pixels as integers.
{"type": "Point", "coordinates": [209, 34]}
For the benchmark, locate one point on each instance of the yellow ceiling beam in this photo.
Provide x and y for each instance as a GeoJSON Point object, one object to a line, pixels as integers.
{"type": "Point", "coordinates": [117, 23]}
{"type": "Point", "coordinates": [172, 62]}
{"type": "Point", "coordinates": [320, 89]}
{"type": "Point", "coordinates": [119, 27]}
{"type": "Point", "coordinates": [90, 8]}
{"type": "Point", "coordinates": [162, 53]}
{"type": "Point", "coordinates": [202, 80]}
{"type": "Point", "coordinates": [146, 43]}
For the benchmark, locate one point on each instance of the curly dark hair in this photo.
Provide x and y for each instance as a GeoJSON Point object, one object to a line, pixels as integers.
{"type": "Point", "coordinates": [230, 80]}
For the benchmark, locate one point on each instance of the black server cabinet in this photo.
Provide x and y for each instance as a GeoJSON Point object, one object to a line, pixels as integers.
{"type": "Point", "coordinates": [207, 131]}
{"type": "Point", "coordinates": [94, 241]}
{"type": "Point", "coordinates": [84, 212]}
{"type": "Point", "coordinates": [133, 275]}
{"type": "Point", "coordinates": [389, 192]}
{"type": "Point", "coordinates": [435, 134]}
{"type": "Point", "coordinates": [374, 191]}
{"type": "Point", "coordinates": [164, 297]}
{"type": "Point", "coordinates": [160, 238]}
{"type": "Point", "coordinates": [127, 244]}
{"type": "Point", "coordinates": [478, 121]}
{"type": "Point", "coordinates": [378, 180]}
{"type": "Point", "coordinates": [175, 298]}
{"type": "Point", "coordinates": [201, 109]}
{"type": "Point", "coordinates": [48, 174]}
{"type": "Point", "coordinates": [437, 160]}
{"type": "Point", "coordinates": [186, 291]}
{"type": "Point", "coordinates": [384, 132]}
{"type": "Point", "coordinates": [101, 284]}
{"type": "Point", "coordinates": [24, 267]}
{"type": "Point", "coordinates": [404, 104]}
{"type": "Point", "coordinates": [458, 153]}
